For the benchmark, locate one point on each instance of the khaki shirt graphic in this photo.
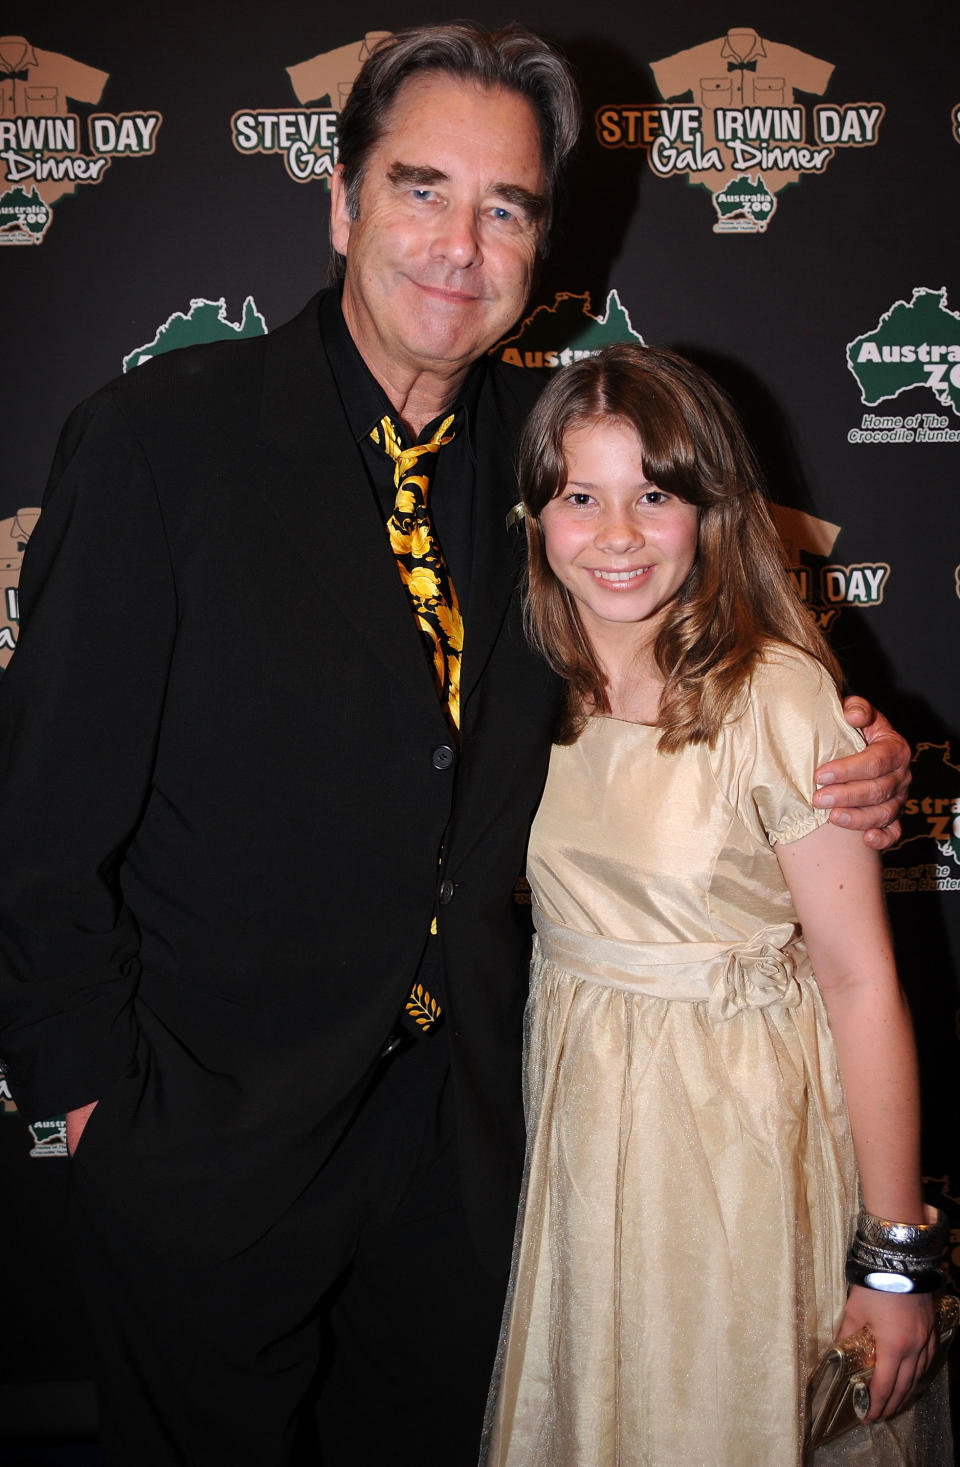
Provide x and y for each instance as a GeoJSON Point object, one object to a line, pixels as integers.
{"type": "Point", "coordinates": [712, 73]}
{"type": "Point", "coordinates": [36, 83]}
{"type": "Point", "coordinates": [333, 73]}
{"type": "Point", "coordinates": [14, 534]}
{"type": "Point", "coordinates": [50, 79]}
{"type": "Point", "coordinates": [803, 533]}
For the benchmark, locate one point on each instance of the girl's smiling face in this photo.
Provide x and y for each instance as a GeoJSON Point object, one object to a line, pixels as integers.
{"type": "Point", "coordinates": [622, 547]}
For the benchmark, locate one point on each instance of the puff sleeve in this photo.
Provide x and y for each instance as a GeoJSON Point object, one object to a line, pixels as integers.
{"type": "Point", "coordinates": [792, 724]}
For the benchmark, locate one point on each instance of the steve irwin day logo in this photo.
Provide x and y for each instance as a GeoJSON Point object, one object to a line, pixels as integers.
{"type": "Point", "coordinates": [737, 128]}
{"type": "Point", "coordinates": [305, 137]}
{"type": "Point", "coordinates": [14, 534]}
{"type": "Point", "coordinates": [827, 584]}
{"type": "Point", "coordinates": [47, 148]}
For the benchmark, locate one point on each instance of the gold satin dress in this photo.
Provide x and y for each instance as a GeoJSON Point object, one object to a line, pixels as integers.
{"type": "Point", "coordinates": [690, 1185]}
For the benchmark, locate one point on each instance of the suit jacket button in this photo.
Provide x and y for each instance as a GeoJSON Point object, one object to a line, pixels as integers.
{"type": "Point", "coordinates": [446, 891]}
{"type": "Point", "coordinates": [443, 757]}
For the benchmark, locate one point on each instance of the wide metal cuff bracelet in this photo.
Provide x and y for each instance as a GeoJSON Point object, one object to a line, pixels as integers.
{"type": "Point", "coordinates": [901, 1260]}
{"type": "Point", "coordinates": [892, 1280]}
{"type": "Point", "coordinates": [928, 1238]}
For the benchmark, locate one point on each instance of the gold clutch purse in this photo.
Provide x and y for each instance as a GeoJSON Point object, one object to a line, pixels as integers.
{"type": "Point", "coordinates": [839, 1392]}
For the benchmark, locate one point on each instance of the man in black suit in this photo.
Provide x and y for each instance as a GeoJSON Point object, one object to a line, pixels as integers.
{"type": "Point", "coordinates": [247, 828]}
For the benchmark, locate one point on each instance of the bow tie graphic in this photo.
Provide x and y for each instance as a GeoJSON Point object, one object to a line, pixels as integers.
{"type": "Point", "coordinates": [13, 76]}
{"type": "Point", "coordinates": [742, 65]}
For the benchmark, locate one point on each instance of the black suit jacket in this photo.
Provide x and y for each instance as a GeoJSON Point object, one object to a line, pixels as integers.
{"type": "Point", "coordinates": [224, 788]}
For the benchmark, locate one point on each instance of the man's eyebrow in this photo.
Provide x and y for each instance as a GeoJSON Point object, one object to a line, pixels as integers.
{"type": "Point", "coordinates": [414, 175]}
{"type": "Point", "coordinates": [531, 204]}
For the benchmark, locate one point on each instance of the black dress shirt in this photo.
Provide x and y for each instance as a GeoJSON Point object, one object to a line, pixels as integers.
{"type": "Point", "coordinates": [453, 479]}
{"type": "Point", "coordinates": [451, 500]}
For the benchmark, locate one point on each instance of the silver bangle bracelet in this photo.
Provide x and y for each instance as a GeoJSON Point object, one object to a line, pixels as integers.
{"type": "Point", "coordinates": [900, 1260]}
{"type": "Point", "coordinates": [926, 1239]}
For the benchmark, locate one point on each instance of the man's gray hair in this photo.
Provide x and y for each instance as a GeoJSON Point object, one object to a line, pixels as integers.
{"type": "Point", "coordinates": [513, 59]}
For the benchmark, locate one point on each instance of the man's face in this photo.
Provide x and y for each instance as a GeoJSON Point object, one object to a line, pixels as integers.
{"type": "Point", "coordinates": [441, 255]}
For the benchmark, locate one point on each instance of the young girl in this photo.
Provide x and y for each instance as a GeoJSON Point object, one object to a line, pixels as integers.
{"type": "Point", "coordinates": [705, 1085]}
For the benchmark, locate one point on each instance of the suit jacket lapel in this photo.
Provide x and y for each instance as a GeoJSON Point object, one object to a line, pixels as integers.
{"type": "Point", "coordinates": [315, 482]}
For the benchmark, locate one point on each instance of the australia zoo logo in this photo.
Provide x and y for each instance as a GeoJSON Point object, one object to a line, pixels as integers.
{"type": "Point", "coordinates": [305, 137]}
{"type": "Point", "coordinates": [49, 1137]}
{"type": "Point", "coordinates": [930, 821]}
{"type": "Point", "coordinates": [205, 321]}
{"type": "Point", "coordinates": [914, 348]}
{"type": "Point", "coordinates": [731, 122]}
{"type": "Point", "coordinates": [46, 147]}
{"type": "Point", "coordinates": [554, 336]}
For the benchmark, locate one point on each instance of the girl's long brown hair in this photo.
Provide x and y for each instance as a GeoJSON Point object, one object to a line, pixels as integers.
{"type": "Point", "coordinates": [738, 595]}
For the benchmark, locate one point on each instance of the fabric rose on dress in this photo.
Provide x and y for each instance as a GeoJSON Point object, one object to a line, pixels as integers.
{"type": "Point", "coordinates": [754, 978]}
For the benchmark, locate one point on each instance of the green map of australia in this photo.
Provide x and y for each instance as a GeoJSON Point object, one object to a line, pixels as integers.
{"type": "Point", "coordinates": [23, 212]}
{"type": "Point", "coordinates": [205, 321]}
{"type": "Point", "coordinates": [743, 196]}
{"type": "Point", "coordinates": [555, 336]}
{"type": "Point", "coordinates": [916, 344]}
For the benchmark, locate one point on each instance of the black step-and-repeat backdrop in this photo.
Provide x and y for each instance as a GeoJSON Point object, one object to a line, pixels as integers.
{"type": "Point", "coordinates": [780, 199]}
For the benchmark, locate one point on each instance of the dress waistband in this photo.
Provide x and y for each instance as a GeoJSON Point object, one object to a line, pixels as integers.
{"type": "Point", "coordinates": [753, 973]}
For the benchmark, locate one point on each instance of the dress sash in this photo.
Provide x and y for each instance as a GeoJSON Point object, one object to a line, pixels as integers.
{"type": "Point", "coordinates": [728, 977]}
